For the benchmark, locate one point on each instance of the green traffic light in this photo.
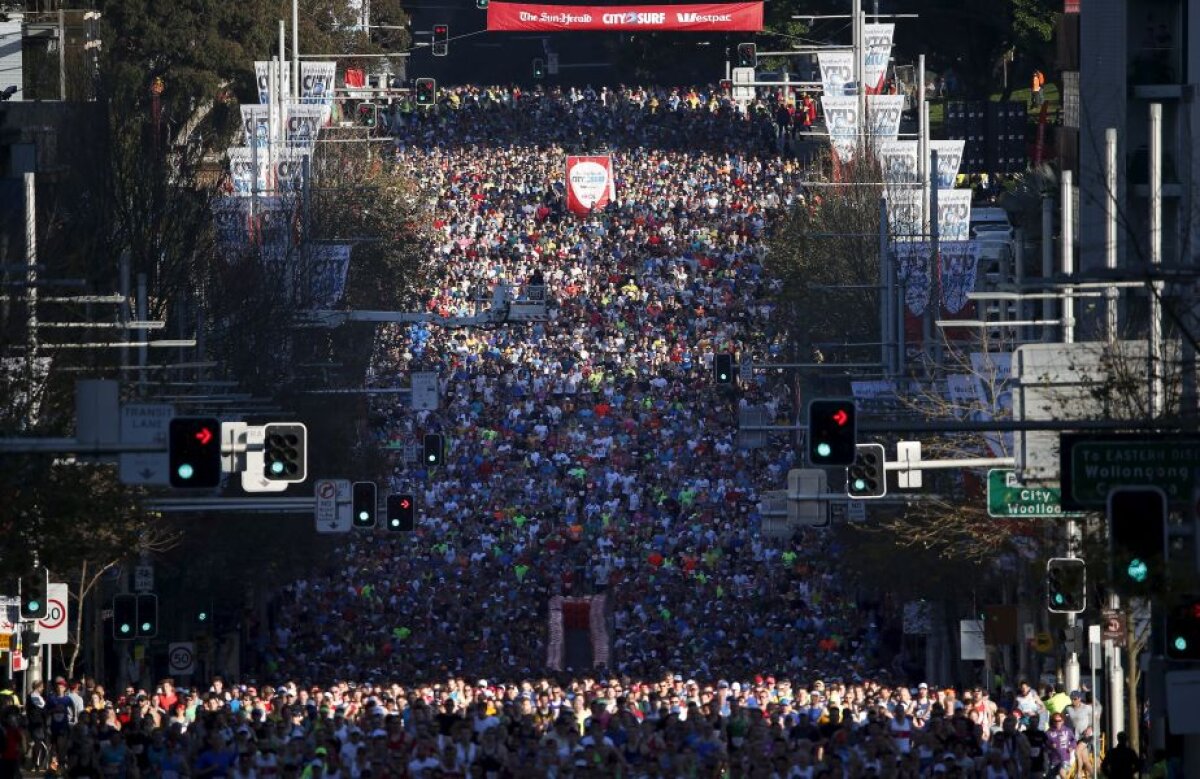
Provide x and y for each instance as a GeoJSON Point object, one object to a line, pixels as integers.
{"type": "Point", "coordinates": [145, 627]}
{"type": "Point", "coordinates": [824, 449]}
{"type": "Point", "coordinates": [364, 516]}
{"type": "Point", "coordinates": [1059, 599]}
{"type": "Point", "coordinates": [33, 605]}
{"type": "Point", "coordinates": [185, 471]}
{"type": "Point", "coordinates": [1180, 643]}
{"type": "Point", "coordinates": [860, 485]}
{"type": "Point", "coordinates": [125, 628]}
{"type": "Point", "coordinates": [1137, 570]}
{"type": "Point", "coordinates": [277, 468]}
{"type": "Point", "coordinates": [202, 616]}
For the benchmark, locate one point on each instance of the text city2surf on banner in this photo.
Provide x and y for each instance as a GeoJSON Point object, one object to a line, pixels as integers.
{"type": "Point", "coordinates": [700, 17]}
{"type": "Point", "coordinates": [590, 185]}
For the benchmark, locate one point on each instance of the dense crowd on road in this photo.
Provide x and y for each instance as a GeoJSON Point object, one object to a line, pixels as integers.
{"type": "Point", "coordinates": [589, 454]}
{"type": "Point", "coordinates": [592, 453]}
{"type": "Point", "coordinates": [592, 726]}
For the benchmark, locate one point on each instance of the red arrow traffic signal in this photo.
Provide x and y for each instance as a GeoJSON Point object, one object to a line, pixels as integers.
{"type": "Point", "coordinates": [841, 417]}
{"type": "Point", "coordinates": [204, 435]}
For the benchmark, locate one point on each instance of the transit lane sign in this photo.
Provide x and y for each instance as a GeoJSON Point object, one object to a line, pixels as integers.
{"type": "Point", "coordinates": [1094, 464]}
{"type": "Point", "coordinates": [1008, 497]}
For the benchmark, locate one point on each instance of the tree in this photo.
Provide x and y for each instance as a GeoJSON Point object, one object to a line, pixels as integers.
{"type": "Point", "coordinates": [825, 254]}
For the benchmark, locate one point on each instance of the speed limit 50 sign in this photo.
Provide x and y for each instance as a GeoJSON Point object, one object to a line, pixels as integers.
{"type": "Point", "coordinates": [53, 627]}
{"type": "Point", "coordinates": [181, 658]}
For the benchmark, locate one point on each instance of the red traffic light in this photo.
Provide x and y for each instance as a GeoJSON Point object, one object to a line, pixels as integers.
{"type": "Point", "coordinates": [405, 503]}
{"type": "Point", "coordinates": [840, 417]}
{"type": "Point", "coordinates": [204, 435]}
{"type": "Point", "coordinates": [440, 29]}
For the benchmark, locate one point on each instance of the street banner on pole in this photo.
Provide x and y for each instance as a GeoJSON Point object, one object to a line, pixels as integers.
{"type": "Point", "coordinates": [883, 118]}
{"type": "Point", "coordinates": [954, 215]}
{"type": "Point", "coordinates": [837, 72]}
{"type": "Point", "coordinates": [242, 171]}
{"type": "Point", "coordinates": [877, 44]}
{"type": "Point", "coordinates": [256, 125]}
{"type": "Point", "coordinates": [697, 17]}
{"type": "Point", "coordinates": [898, 159]}
{"type": "Point", "coordinates": [949, 158]}
{"type": "Point", "coordinates": [842, 121]}
{"type": "Point", "coordinates": [304, 122]}
{"type": "Point", "coordinates": [590, 185]}
{"type": "Point", "coordinates": [264, 81]}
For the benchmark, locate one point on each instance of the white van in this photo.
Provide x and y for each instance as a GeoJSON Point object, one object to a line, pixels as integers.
{"type": "Point", "coordinates": [991, 224]}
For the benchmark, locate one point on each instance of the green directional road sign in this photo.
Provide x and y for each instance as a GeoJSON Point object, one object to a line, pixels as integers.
{"type": "Point", "coordinates": [1093, 464]}
{"type": "Point", "coordinates": [1008, 497]}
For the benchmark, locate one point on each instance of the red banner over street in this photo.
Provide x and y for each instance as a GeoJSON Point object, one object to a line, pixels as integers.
{"type": "Point", "coordinates": [698, 17]}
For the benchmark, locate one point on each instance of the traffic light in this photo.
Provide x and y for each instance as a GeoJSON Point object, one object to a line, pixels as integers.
{"type": "Point", "coordinates": [364, 503]}
{"type": "Point", "coordinates": [867, 477]}
{"type": "Point", "coordinates": [368, 114]}
{"type": "Point", "coordinates": [441, 40]}
{"type": "Point", "coordinates": [203, 617]}
{"type": "Point", "coordinates": [33, 592]}
{"type": "Point", "coordinates": [832, 432]}
{"type": "Point", "coordinates": [1066, 585]}
{"type": "Point", "coordinates": [124, 617]}
{"type": "Point", "coordinates": [147, 615]}
{"type": "Point", "coordinates": [539, 68]}
{"type": "Point", "coordinates": [481, 4]}
{"type": "Point", "coordinates": [426, 91]}
{"type": "Point", "coordinates": [434, 449]}
{"type": "Point", "coordinates": [1137, 537]}
{"type": "Point", "coordinates": [723, 368]}
{"type": "Point", "coordinates": [1183, 630]}
{"type": "Point", "coordinates": [747, 55]}
{"type": "Point", "coordinates": [285, 454]}
{"type": "Point", "coordinates": [194, 452]}
{"type": "Point", "coordinates": [30, 642]}
{"type": "Point", "coordinates": [401, 513]}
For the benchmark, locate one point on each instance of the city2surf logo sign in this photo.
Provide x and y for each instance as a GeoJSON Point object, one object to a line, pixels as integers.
{"type": "Point", "coordinates": [590, 184]}
{"type": "Point", "coordinates": [699, 17]}
{"type": "Point", "coordinates": [303, 124]}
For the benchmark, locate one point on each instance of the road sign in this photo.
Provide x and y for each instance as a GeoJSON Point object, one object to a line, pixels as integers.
{"type": "Point", "coordinates": [1112, 626]}
{"type": "Point", "coordinates": [1008, 497]}
{"type": "Point", "coordinates": [143, 578]}
{"type": "Point", "coordinates": [333, 514]}
{"type": "Point", "coordinates": [144, 423]}
{"type": "Point", "coordinates": [908, 452]}
{"type": "Point", "coordinates": [10, 619]}
{"type": "Point", "coordinates": [424, 390]}
{"type": "Point", "coordinates": [741, 77]}
{"type": "Point", "coordinates": [1093, 464]}
{"type": "Point", "coordinates": [181, 658]}
{"type": "Point", "coordinates": [856, 510]}
{"type": "Point", "coordinates": [53, 627]}
{"type": "Point", "coordinates": [1043, 643]}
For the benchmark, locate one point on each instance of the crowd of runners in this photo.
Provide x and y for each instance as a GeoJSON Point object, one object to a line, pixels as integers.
{"type": "Point", "coordinates": [591, 454]}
